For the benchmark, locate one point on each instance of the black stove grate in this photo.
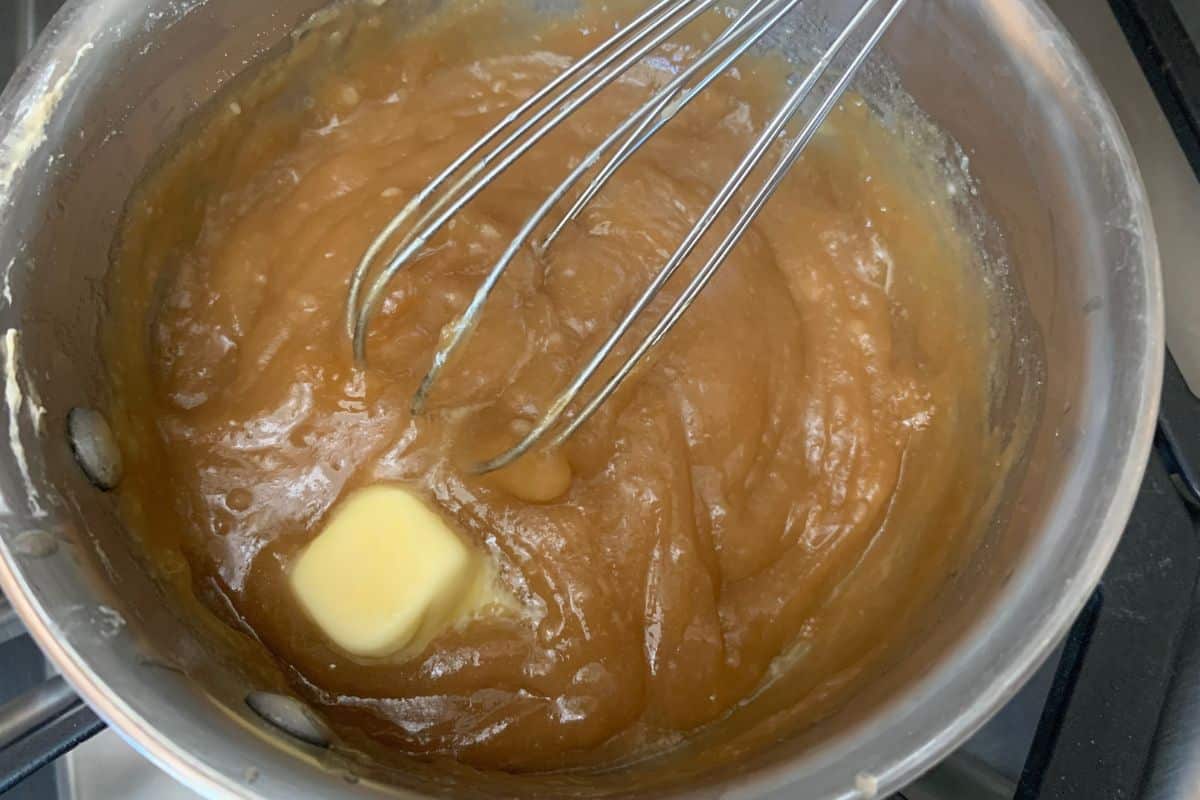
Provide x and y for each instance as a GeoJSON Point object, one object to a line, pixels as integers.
{"type": "Point", "coordinates": [1164, 36]}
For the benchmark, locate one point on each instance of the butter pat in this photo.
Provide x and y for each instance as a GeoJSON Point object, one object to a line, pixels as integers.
{"type": "Point", "coordinates": [388, 574]}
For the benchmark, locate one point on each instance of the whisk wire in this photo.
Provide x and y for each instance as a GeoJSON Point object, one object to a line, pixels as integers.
{"type": "Point", "coordinates": [421, 237]}
{"type": "Point", "coordinates": [640, 27]}
{"type": "Point", "coordinates": [705, 274]}
{"type": "Point", "coordinates": [718, 204]}
{"type": "Point", "coordinates": [449, 192]}
{"type": "Point", "coordinates": [457, 331]}
{"type": "Point", "coordinates": [658, 115]}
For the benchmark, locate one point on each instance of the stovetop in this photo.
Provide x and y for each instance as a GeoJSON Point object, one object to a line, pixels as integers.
{"type": "Point", "coordinates": [1115, 710]}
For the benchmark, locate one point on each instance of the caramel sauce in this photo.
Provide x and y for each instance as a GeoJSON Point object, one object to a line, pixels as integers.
{"type": "Point", "coordinates": [783, 487]}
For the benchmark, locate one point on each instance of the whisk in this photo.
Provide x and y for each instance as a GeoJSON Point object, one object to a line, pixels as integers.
{"type": "Point", "coordinates": [522, 128]}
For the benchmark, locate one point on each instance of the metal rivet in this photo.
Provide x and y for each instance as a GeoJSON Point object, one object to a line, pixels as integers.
{"type": "Point", "coordinates": [108, 621]}
{"type": "Point", "coordinates": [290, 716]}
{"type": "Point", "coordinates": [34, 544]}
{"type": "Point", "coordinates": [95, 447]}
{"type": "Point", "coordinates": [867, 785]}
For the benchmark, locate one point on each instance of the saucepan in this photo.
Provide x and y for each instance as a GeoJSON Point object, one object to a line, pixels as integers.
{"type": "Point", "coordinates": [111, 81]}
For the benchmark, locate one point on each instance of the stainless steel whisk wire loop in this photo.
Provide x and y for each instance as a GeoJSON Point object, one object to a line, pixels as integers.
{"type": "Point", "coordinates": [546, 109]}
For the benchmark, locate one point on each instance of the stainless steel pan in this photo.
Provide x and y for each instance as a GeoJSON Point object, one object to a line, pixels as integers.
{"type": "Point", "coordinates": [112, 79]}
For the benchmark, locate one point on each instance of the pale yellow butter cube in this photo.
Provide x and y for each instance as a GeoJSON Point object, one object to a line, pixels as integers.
{"type": "Point", "coordinates": [387, 573]}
